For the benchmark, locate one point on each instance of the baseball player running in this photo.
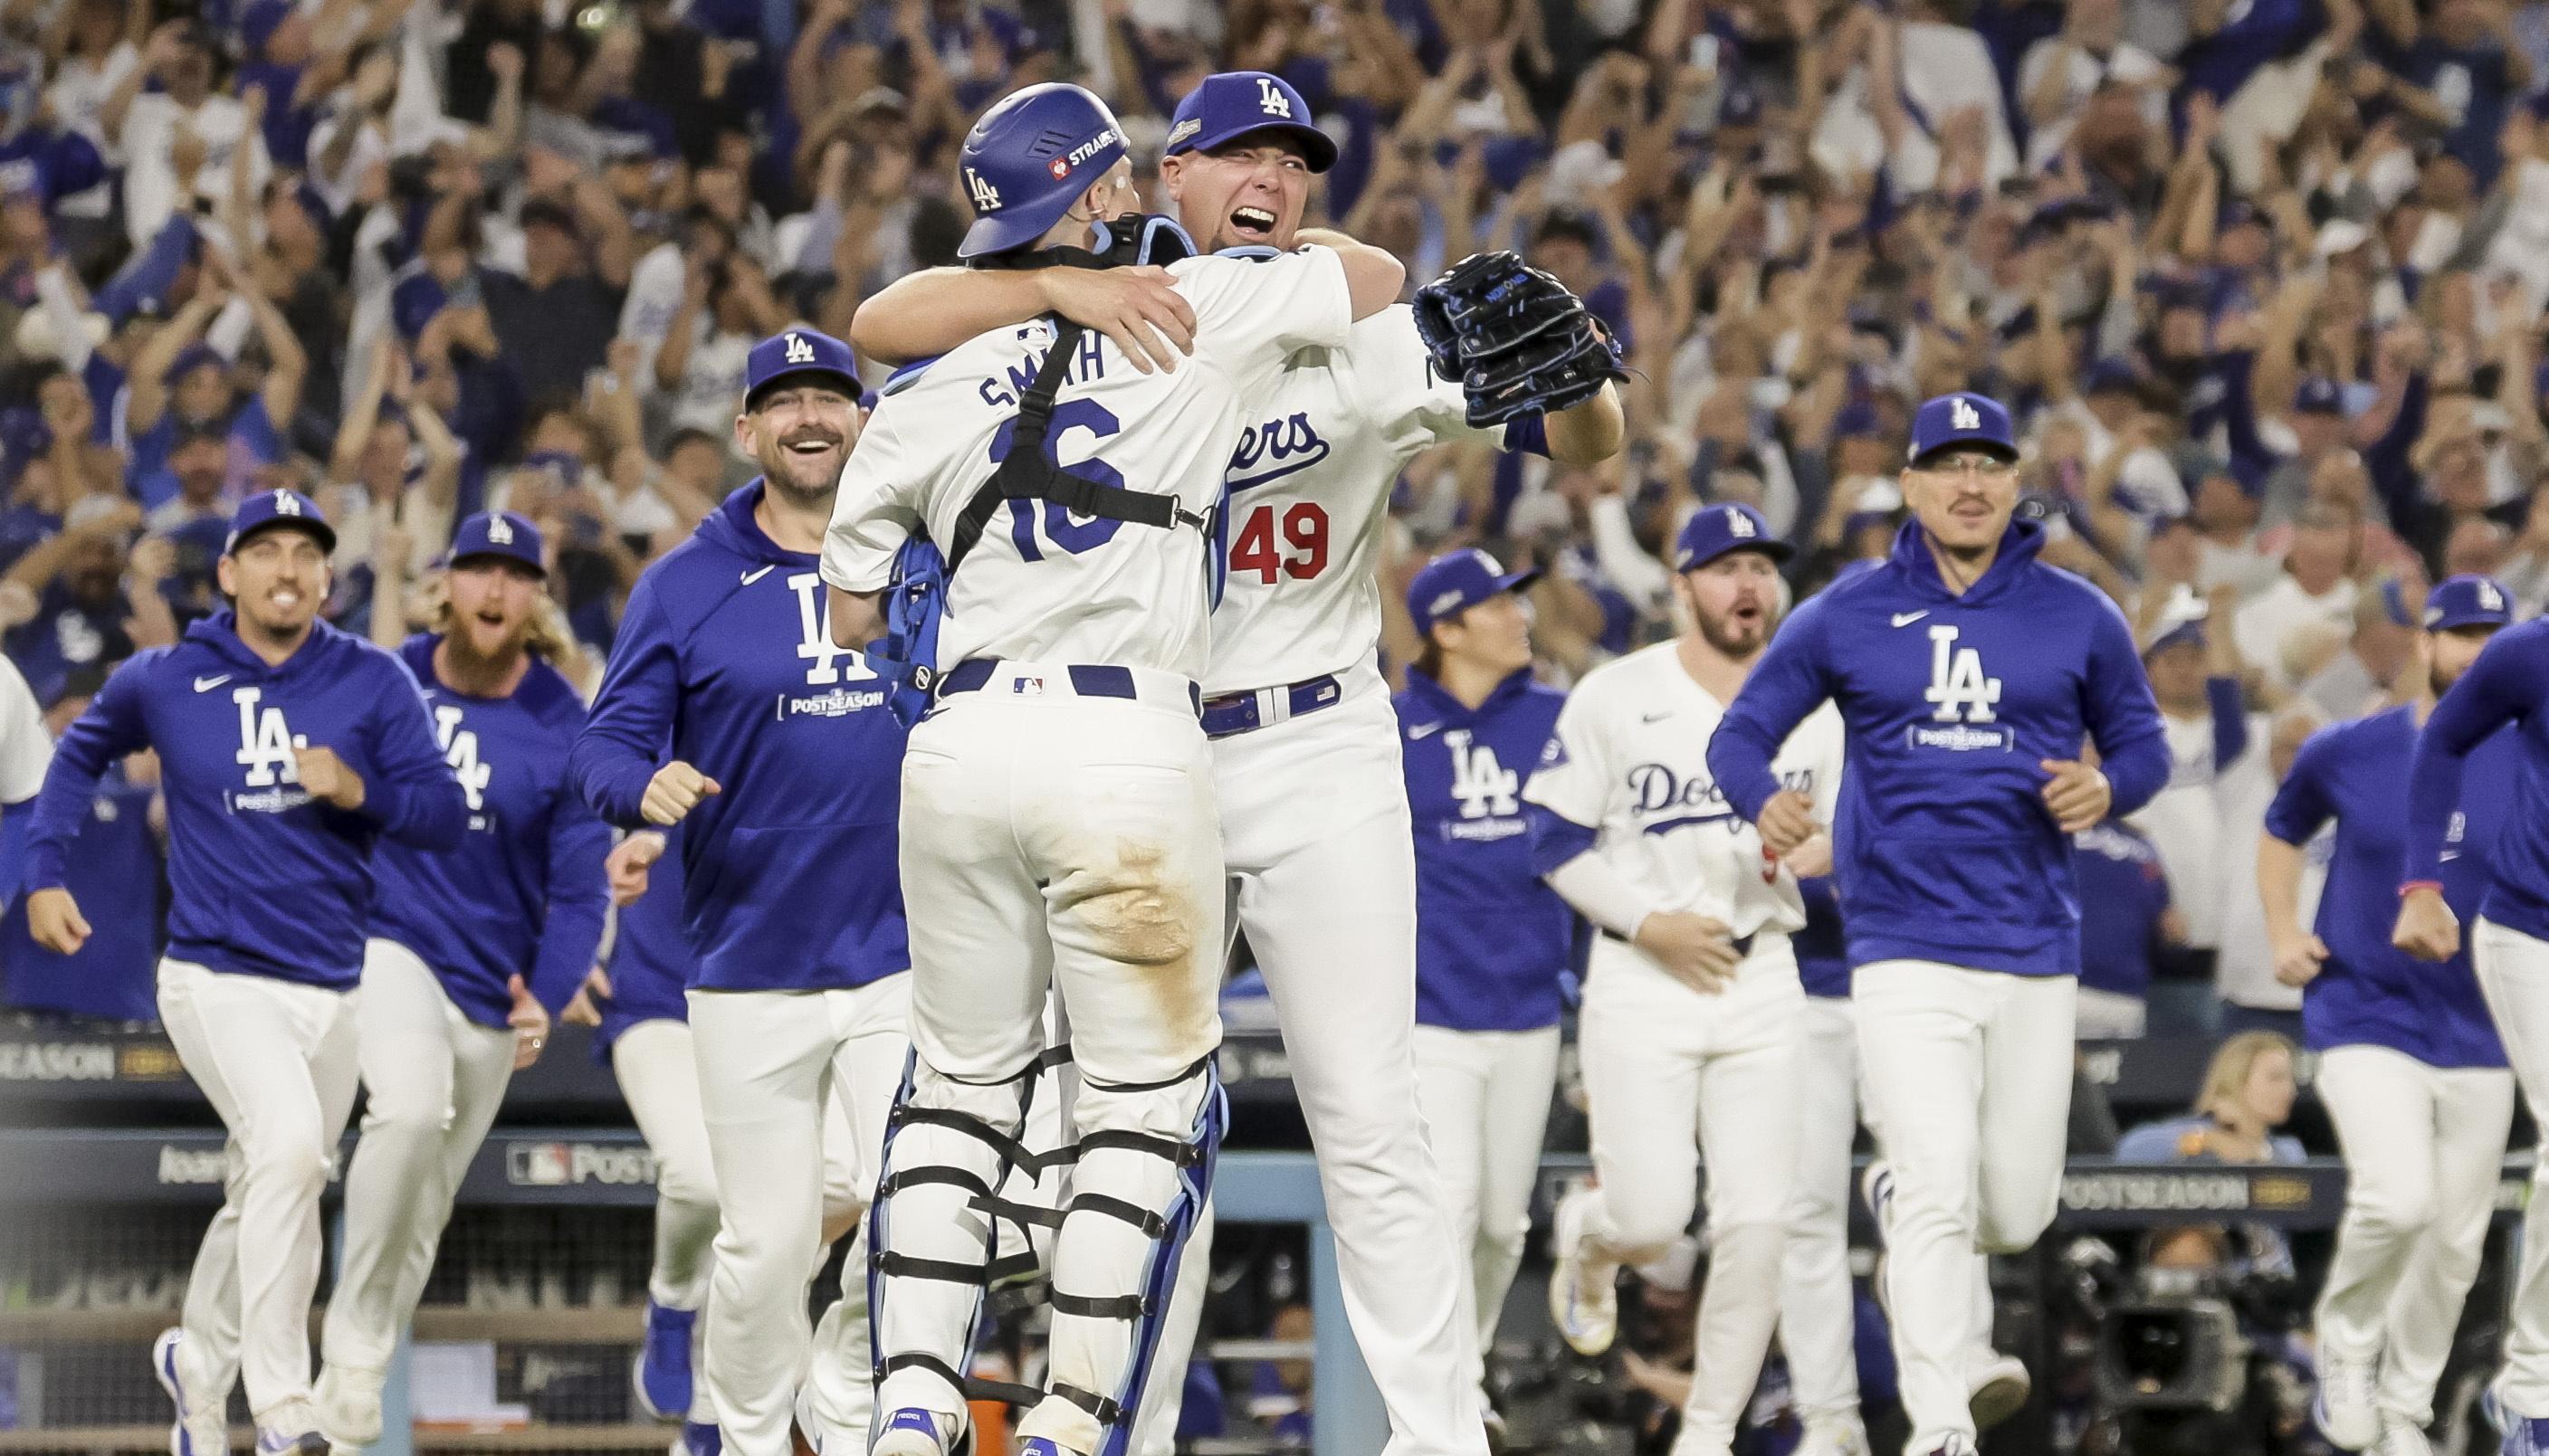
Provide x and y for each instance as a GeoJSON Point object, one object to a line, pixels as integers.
{"type": "Point", "coordinates": [2508, 684]}
{"type": "Point", "coordinates": [642, 1025]}
{"type": "Point", "coordinates": [287, 750]}
{"type": "Point", "coordinates": [2409, 1064]}
{"type": "Point", "coordinates": [1058, 817]}
{"type": "Point", "coordinates": [1492, 939]}
{"type": "Point", "coordinates": [1967, 675]}
{"type": "Point", "coordinates": [1305, 748]}
{"type": "Point", "coordinates": [472, 949]}
{"type": "Point", "coordinates": [1691, 1001]}
{"type": "Point", "coordinates": [727, 708]}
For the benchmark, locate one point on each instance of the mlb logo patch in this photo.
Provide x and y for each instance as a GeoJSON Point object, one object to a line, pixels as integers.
{"type": "Point", "coordinates": [1028, 688]}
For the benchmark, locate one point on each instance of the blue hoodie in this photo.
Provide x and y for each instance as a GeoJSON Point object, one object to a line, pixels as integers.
{"type": "Point", "coordinates": [1944, 848]}
{"type": "Point", "coordinates": [650, 958]}
{"type": "Point", "coordinates": [2369, 992]}
{"type": "Point", "coordinates": [263, 880]}
{"type": "Point", "coordinates": [724, 661]}
{"type": "Point", "coordinates": [2508, 684]}
{"type": "Point", "coordinates": [523, 894]}
{"type": "Point", "coordinates": [1491, 938]}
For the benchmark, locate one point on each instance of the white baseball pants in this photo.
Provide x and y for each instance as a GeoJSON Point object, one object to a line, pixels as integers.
{"type": "Point", "coordinates": [1968, 1077]}
{"type": "Point", "coordinates": [1316, 829]}
{"type": "Point", "coordinates": [434, 1079]}
{"type": "Point", "coordinates": [769, 1062]}
{"type": "Point", "coordinates": [1818, 1309]}
{"type": "Point", "coordinates": [2423, 1148]}
{"type": "Point", "coordinates": [1668, 1068]}
{"type": "Point", "coordinates": [277, 1061]}
{"type": "Point", "coordinates": [1485, 1097]}
{"type": "Point", "coordinates": [2110, 1014]}
{"type": "Point", "coordinates": [659, 1077]}
{"type": "Point", "coordinates": [1051, 840]}
{"type": "Point", "coordinates": [2513, 973]}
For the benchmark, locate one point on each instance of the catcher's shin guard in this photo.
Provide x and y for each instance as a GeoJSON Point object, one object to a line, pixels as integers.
{"type": "Point", "coordinates": [1137, 1191]}
{"type": "Point", "coordinates": [931, 1239]}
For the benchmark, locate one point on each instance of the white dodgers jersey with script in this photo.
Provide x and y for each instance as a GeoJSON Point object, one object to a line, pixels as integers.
{"type": "Point", "coordinates": [1629, 761]}
{"type": "Point", "coordinates": [1044, 584]}
{"type": "Point", "coordinates": [1309, 499]}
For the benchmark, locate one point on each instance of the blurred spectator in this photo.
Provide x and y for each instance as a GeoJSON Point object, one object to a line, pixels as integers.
{"type": "Point", "coordinates": [2194, 673]}
{"type": "Point", "coordinates": [2248, 1092]}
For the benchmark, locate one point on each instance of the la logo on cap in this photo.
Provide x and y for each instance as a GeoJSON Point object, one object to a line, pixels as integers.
{"type": "Point", "coordinates": [500, 531]}
{"type": "Point", "coordinates": [1270, 101]}
{"type": "Point", "coordinates": [1963, 415]}
{"type": "Point", "coordinates": [1737, 522]}
{"type": "Point", "coordinates": [284, 504]}
{"type": "Point", "coordinates": [798, 350]}
{"type": "Point", "coordinates": [986, 198]}
{"type": "Point", "coordinates": [2489, 598]}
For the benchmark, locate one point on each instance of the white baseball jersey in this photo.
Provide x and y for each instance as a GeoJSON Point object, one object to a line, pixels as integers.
{"type": "Point", "coordinates": [1042, 584]}
{"type": "Point", "coordinates": [1310, 497]}
{"type": "Point", "coordinates": [1630, 759]}
{"type": "Point", "coordinates": [26, 749]}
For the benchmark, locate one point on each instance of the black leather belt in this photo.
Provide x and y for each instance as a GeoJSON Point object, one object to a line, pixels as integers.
{"type": "Point", "coordinates": [1743, 943]}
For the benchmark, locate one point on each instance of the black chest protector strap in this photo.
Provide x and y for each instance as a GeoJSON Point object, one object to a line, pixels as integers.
{"type": "Point", "coordinates": [1026, 474]}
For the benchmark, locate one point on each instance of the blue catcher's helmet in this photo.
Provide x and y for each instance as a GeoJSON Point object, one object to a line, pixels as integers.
{"type": "Point", "coordinates": [1028, 158]}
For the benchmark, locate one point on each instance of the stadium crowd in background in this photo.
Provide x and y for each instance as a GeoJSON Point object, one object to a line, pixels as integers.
{"type": "Point", "coordinates": [2263, 281]}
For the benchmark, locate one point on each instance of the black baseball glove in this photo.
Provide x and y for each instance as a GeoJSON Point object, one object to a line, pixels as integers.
{"type": "Point", "coordinates": [1514, 337]}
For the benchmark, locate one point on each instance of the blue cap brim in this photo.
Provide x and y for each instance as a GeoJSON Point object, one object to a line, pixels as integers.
{"type": "Point", "coordinates": [1769, 546]}
{"type": "Point", "coordinates": [1012, 228]}
{"type": "Point", "coordinates": [2469, 619]}
{"type": "Point", "coordinates": [2001, 448]}
{"type": "Point", "coordinates": [453, 559]}
{"type": "Point", "coordinates": [318, 530]}
{"type": "Point", "coordinates": [849, 385]}
{"type": "Point", "coordinates": [1316, 148]}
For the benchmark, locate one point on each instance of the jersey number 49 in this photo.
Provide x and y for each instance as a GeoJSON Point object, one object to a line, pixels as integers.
{"type": "Point", "coordinates": [1301, 553]}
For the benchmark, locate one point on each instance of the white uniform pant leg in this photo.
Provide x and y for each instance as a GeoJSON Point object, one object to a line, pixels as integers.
{"type": "Point", "coordinates": [2383, 1104]}
{"type": "Point", "coordinates": [1332, 922]}
{"type": "Point", "coordinates": [1122, 828]}
{"type": "Point", "coordinates": [2474, 1109]}
{"type": "Point", "coordinates": [981, 963]}
{"type": "Point", "coordinates": [1452, 1073]}
{"type": "Point", "coordinates": [1520, 1087]}
{"type": "Point", "coordinates": [1748, 1140]}
{"type": "Point", "coordinates": [1968, 1077]}
{"type": "Point", "coordinates": [867, 1070]}
{"type": "Point", "coordinates": [1643, 1039]}
{"type": "Point", "coordinates": [1818, 1314]}
{"type": "Point", "coordinates": [2513, 973]}
{"type": "Point", "coordinates": [435, 1078]}
{"type": "Point", "coordinates": [660, 1079]}
{"type": "Point", "coordinates": [764, 1065]}
{"type": "Point", "coordinates": [277, 1061]}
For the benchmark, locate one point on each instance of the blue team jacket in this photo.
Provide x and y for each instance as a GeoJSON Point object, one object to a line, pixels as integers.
{"type": "Point", "coordinates": [2508, 684]}
{"type": "Point", "coordinates": [113, 860]}
{"type": "Point", "coordinates": [1944, 849]}
{"type": "Point", "coordinates": [264, 880]}
{"type": "Point", "coordinates": [1491, 938]}
{"type": "Point", "coordinates": [523, 894]}
{"type": "Point", "coordinates": [2369, 993]}
{"type": "Point", "coordinates": [724, 661]}
{"type": "Point", "coordinates": [650, 958]}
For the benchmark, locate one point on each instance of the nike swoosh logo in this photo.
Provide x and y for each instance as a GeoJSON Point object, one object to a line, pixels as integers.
{"type": "Point", "coordinates": [1907, 619]}
{"type": "Point", "coordinates": [1656, 717]}
{"type": "Point", "coordinates": [2448, 856]}
{"type": "Point", "coordinates": [207, 684]}
{"type": "Point", "coordinates": [1424, 730]}
{"type": "Point", "coordinates": [751, 577]}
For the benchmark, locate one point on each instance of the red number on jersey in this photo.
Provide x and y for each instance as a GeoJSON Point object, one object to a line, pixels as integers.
{"type": "Point", "coordinates": [1302, 553]}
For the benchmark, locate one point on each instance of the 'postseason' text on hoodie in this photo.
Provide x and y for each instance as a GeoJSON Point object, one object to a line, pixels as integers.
{"type": "Point", "coordinates": [263, 878]}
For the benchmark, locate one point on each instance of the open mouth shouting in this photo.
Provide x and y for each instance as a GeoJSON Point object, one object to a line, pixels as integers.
{"type": "Point", "coordinates": [1253, 224]}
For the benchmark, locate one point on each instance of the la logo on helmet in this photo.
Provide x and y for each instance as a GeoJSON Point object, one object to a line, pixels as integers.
{"type": "Point", "coordinates": [798, 350]}
{"type": "Point", "coordinates": [1270, 101]}
{"type": "Point", "coordinates": [986, 198]}
{"type": "Point", "coordinates": [1963, 415]}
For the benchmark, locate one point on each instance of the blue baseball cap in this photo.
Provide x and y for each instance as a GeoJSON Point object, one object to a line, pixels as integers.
{"type": "Point", "coordinates": [1233, 103]}
{"type": "Point", "coordinates": [2468, 602]}
{"type": "Point", "coordinates": [799, 351]}
{"type": "Point", "coordinates": [278, 509]}
{"type": "Point", "coordinates": [1029, 158]}
{"type": "Point", "coordinates": [1715, 530]}
{"type": "Point", "coordinates": [1963, 418]}
{"type": "Point", "coordinates": [498, 533]}
{"type": "Point", "coordinates": [1452, 584]}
